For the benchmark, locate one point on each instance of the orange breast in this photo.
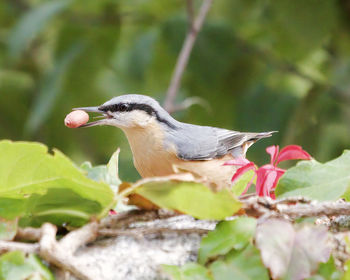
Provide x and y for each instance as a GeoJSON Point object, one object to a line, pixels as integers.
{"type": "Point", "coordinates": [151, 159]}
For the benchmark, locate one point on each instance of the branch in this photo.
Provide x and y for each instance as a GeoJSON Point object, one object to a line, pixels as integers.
{"type": "Point", "coordinates": [185, 52]}
{"type": "Point", "coordinates": [58, 253]}
{"type": "Point", "coordinates": [54, 253]}
{"type": "Point", "coordinates": [28, 233]}
{"type": "Point", "coordinates": [124, 219]}
{"type": "Point", "coordinates": [314, 209]}
{"type": "Point", "coordinates": [136, 223]}
{"type": "Point", "coordinates": [139, 232]}
{"type": "Point", "coordinates": [6, 246]}
{"type": "Point", "coordinates": [294, 208]}
{"type": "Point", "coordinates": [79, 237]}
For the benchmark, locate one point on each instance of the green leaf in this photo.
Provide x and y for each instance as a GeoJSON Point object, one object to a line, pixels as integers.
{"type": "Point", "coordinates": [228, 235]}
{"type": "Point", "coordinates": [47, 187]}
{"type": "Point", "coordinates": [8, 229]}
{"type": "Point", "coordinates": [191, 198]}
{"type": "Point", "coordinates": [242, 182]}
{"type": "Point", "coordinates": [190, 271]}
{"type": "Point", "coordinates": [240, 265]}
{"type": "Point", "coordinates": [314, 180]}
{"type": "Point", "coordinates": [105, 173]}
{"type": "Point", "coordinates": [346, 275]}
{"type": "Point", "coordinates": [292, 254]}
{"type": "Point", "coordinates": [328, 271]}
{"type": "Point", "coordinates": [113, 169]}
{"type": "Point", "coordinates": [18, 266]}
{"type": "Point", "coordinates": [32, 23]}
{"type": "Point", "coordinates": [108, 174]}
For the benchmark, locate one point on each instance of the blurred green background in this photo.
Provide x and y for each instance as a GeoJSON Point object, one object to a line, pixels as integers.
{"type": "Point", "coordinates": [261, 65]}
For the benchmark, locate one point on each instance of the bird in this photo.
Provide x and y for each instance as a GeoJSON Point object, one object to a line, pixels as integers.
{"type": "Point", "coordinates": [163, 146]}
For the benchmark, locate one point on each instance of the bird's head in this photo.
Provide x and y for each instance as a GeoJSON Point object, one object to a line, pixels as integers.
{"type": "Point", "coordinates": [129, 111]}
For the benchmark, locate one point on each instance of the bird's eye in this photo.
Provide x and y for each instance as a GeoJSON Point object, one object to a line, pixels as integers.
{"type": "Point", "coordinates": [113, 108]}
{"type": "Point", "coordinates": [122, 107]}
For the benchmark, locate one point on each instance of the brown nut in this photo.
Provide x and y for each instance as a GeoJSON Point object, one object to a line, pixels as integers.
{"type": "Point", "coordinates": [76, 119]}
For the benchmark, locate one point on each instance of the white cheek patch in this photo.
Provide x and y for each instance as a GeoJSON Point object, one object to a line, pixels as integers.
{"type": "Point", "coordinates": [140, 118]}
{"type": "Point", "coordinates": [136, 118]}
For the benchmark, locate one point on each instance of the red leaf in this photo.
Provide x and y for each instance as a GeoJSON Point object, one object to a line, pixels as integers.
{"type": "Point", "coordinates": [240, 161]}
{"type": "Point", "coordinates": [273, 152]}
{"type": "Point", "coordinates": [260, 173]}
{"type": "Point", "coordinates": [267, 182]}
{"type": "Point", "coordinates": [267, 179]}
{"type": "Point", "coordinates": [292, 152]}
{"type": "Point", "coordinates": [242, 170]}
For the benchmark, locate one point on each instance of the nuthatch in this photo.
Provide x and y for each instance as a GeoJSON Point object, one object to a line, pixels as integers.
{"type": "Point", "coordinates": [162, 145]}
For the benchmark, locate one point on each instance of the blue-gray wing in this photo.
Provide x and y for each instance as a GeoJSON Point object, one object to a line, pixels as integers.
{"type": "Point", "coordinates": [204, 143]}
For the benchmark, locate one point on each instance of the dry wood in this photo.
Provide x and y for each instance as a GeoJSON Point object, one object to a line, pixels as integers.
{"type": "Point", "coordinates": [61, 253]}
{"type": "Point", "coordinates": [140, 232]}
{"type": "Point", "coordinates": [295, 207]}
{"type": "Point", "coordinates": [7, 246]}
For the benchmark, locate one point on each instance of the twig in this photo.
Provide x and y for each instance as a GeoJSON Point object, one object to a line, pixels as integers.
{"type": "Point", "coordinates": [61, 253]}
{"type": "Point", "coordinates": [314, 209]}
{"type": "Point", "coordinates": [51, 251]}
{"type": "Point", "coordinates": [28, 233]}
{"type": "Point", "coordinates": [77, 238]}
{"type": "Point", "coordinates": [6, 246]}
{"type": "Point", "coordinates": [124, 219]}
{"type": "Point", "coordinates": [144, 231]}
{"type": "Point", "coordinates": [184, 55]}
{"type": "Point", "coordinates": [57, 253]}
{"type": "Point", "coordinates": [293, 208]}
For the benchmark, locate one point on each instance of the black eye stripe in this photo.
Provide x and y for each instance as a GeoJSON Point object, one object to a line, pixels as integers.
{"type": "Point", "coordinates": [121, 107]}
{"type": "Point", "coordinates": [127, 107]}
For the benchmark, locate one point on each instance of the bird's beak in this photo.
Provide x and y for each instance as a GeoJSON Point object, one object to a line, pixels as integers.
{"type": "Point", "coordinates": [102, 121]}
{"type": "Point", "coordinates": [89, 109]}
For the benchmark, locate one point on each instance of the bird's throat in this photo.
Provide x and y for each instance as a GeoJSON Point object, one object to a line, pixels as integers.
{"type": "Point", "coordinates": [151, 157]}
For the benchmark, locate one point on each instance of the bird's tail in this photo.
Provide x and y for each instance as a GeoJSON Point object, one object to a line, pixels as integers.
{"type": "Point", "coordinates": [256, 136]}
